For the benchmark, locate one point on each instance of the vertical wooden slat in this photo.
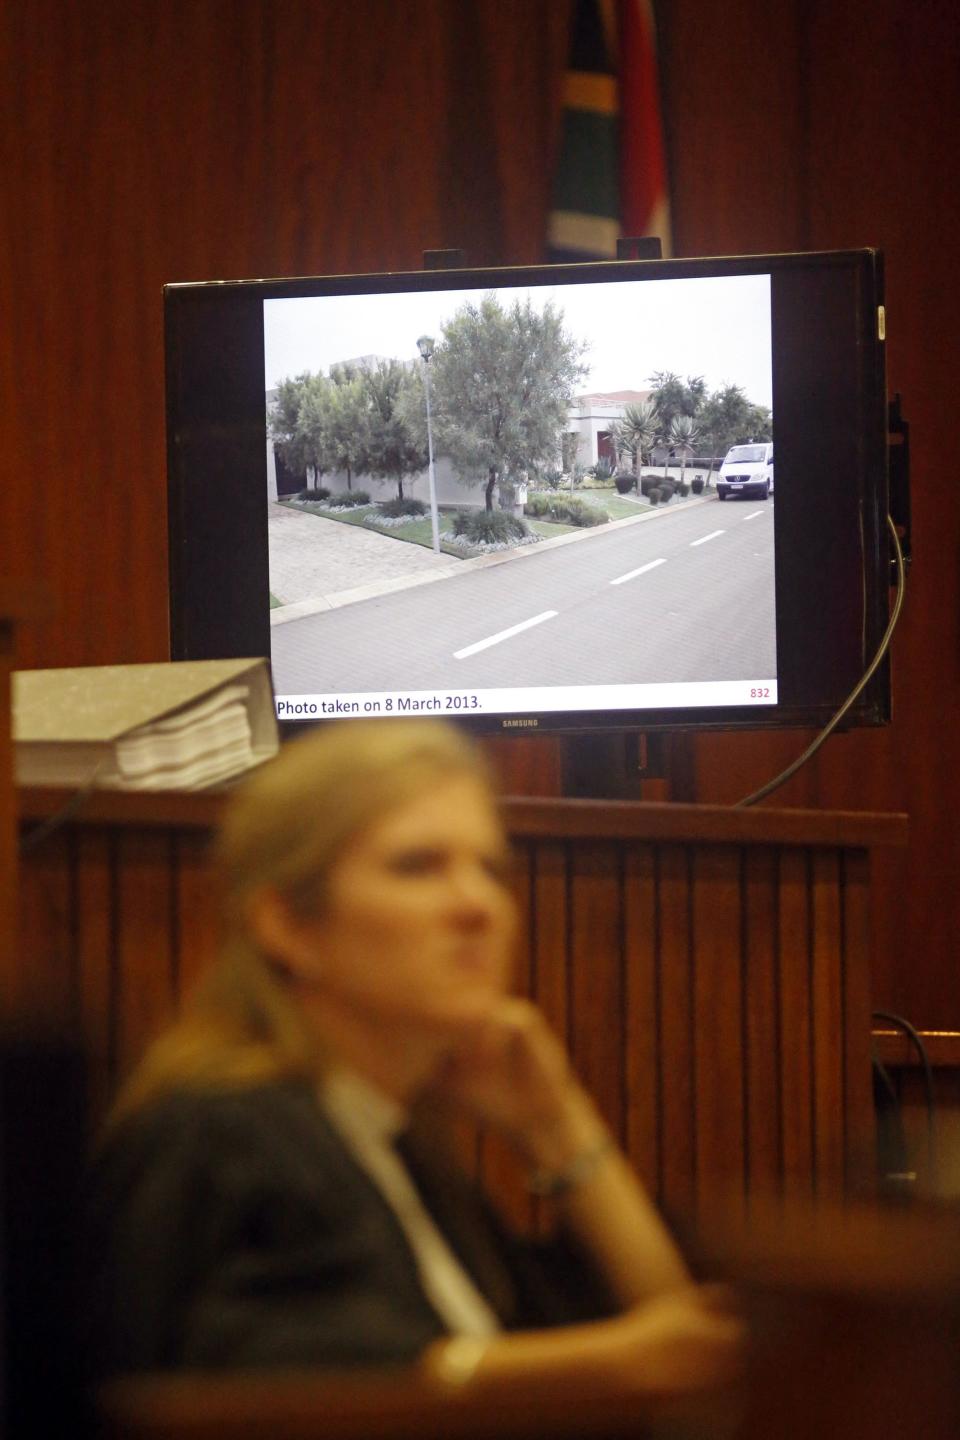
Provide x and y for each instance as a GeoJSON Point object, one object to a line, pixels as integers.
{"type": "Point", "coordinates": [524, 870]}
{"type": "Point", "coordinates": [717, 1018]}
{"type": "Point", "coordinates": [8, 836]}
{"type": "Point", "coordinates": [498, 1165]}
{"type": "Point", "coordinates": [796, 1021]}
{"type": "Point", "coordinates": [675, 1023]}
{"type": "Point", "coordinates": [145, 889]}
{"type": "Point", "coordinates": [550, 960]}
{"type": "Point", "coordinates": [98, 996]}
{"type": "Point", "coordinates": [827, 1078]}
{"type": "Point", "coordinates": [859, 1138]}
{"type": "Point", "coordinates": [763, 1160]}
{"type": "Point", "coordinates": [641, 1055]}
{"type": "Point", "coordinates": [46, 983]}
{"type": "Point", "coordinates": [596, 978]}
{"type": "Point", "coordinates": [195, 904]}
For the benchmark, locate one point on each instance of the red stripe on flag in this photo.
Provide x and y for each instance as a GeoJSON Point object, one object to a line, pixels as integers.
{"type": "Point", "coordinates": [643, 172]}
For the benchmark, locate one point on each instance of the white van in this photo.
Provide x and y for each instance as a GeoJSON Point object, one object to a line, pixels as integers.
{"type": "Point", "coordinates": [747, 470]}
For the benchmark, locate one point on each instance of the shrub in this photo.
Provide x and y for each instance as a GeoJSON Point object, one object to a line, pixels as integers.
{"type": "Point", "coordinates": [350, 498]}
{"type": "Point", "coordinates": [603, 470]}
{"type": "Point", "coordinates": [667, 489]}
{"type": "Point", "coordinates": [625, 482]}
{"type": "Point", "coordinates": [579, 512]}
{"type": "Point", "coordinates": [320, 493]}
{"type": "Point", "coordinates": [696, 484]}
{"type": "Point", "coordinates": [653, 495]}
{"type": "Point", "coordinates": [552, 478]}
{"type": "Point", "coordinates": [683, 487]}
{"type": "Point", "coordinates": [565, 510]}
{"type": "Point", "coordinates": [539, 504]}
{"type": "Point", "coordinates": [489, 527]}
{"type": "Point", "coordinates": [396, 508]}
{"type": "Point", "coordinates": [647, 483]}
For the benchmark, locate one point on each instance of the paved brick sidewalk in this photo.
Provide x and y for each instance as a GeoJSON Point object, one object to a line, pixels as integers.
{"type": "Point", "coordinates": [311, 556]}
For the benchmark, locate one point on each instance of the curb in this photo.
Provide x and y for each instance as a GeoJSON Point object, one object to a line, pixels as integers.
{"type": "Point", "coordinates": [301, 609]}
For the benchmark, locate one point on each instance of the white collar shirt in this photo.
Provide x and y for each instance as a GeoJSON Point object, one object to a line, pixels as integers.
{"type": "Point", "coordinates": [368, 1121]}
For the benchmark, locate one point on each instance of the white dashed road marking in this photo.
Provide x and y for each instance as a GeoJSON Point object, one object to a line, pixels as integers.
{"type": "Point", "coordinates": [503, 635]}
{"type": "Point", "coordinates": [704, 538]}
{"type": "Point", "coordinates": [753, 515]}
{"type": "Point", "coordinates": [632, 574]}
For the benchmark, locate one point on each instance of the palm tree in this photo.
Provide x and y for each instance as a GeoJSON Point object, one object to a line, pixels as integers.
{"type": "Point", "coordinates": [636, 431]}
{"type": "Point", "coordinates": [684, 433]}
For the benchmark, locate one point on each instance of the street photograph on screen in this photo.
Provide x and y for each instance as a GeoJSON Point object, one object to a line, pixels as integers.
{"type": "Point", "coordinates": [555, 498]}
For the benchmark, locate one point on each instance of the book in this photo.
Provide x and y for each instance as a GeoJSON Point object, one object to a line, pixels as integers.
{"type": "Point", "coordinates": [183, 725]}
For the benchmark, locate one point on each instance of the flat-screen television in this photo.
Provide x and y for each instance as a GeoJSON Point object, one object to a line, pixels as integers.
{"type": "Point", "coordinates": [622, 495]}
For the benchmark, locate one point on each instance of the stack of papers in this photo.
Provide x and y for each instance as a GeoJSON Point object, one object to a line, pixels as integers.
{"type": "Point", "coordinates": [179, 726]}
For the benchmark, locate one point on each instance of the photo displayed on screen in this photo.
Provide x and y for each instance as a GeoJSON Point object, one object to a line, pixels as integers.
{"type": "Point", "coordinates": [556, 498]}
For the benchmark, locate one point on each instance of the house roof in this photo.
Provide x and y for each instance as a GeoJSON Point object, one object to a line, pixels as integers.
{"type": "Point", "coordinates": [613, 397]}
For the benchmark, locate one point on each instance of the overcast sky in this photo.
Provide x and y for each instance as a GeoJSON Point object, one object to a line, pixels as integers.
{"type": "Point", "coordinates": [717, 327]}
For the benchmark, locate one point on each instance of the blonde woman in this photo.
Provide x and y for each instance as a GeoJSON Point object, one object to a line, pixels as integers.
{"type": "Point", "coordinates": [256, 1202]}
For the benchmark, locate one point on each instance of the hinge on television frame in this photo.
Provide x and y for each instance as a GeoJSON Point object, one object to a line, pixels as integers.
{"type": "Point", "coordinates": [443, 259]}
{"type": "Point", "coordinates": [639, 247]}
{"type": "Point", "coordinates": [898, 451]}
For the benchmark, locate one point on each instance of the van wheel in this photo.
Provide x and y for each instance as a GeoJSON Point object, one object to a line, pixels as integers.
{"type": "Point", "coordinates": [721, 492]}
{"type": "Point", "coordinates": [766, 490]}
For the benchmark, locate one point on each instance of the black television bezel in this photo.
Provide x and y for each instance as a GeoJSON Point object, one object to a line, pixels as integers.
{"type": "Point", "coordinates": [827, 331]}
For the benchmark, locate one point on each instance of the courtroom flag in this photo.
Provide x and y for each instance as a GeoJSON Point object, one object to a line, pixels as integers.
{"type": "Point", "coordinates": [610, 178]}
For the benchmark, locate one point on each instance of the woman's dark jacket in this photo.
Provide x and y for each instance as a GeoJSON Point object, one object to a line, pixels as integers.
{"type": "Point", "coordinates": [233, 1229]}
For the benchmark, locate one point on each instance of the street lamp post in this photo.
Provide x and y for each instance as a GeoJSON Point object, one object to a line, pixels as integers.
{"type": "Point", "coordinates": [425, 346]}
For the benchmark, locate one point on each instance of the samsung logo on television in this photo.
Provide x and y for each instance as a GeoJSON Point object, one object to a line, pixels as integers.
{"type": "Point", "coordinates": [519, 724]}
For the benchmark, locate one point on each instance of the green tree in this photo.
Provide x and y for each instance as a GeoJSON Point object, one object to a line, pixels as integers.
{"type": "Point", "coordinates": [683, 435]}
{"type": "Point", "coordinates": [674, 397]}
{"type": "Point", "coordinates": [313, 426]}
{"type": "Point", "coordinates": [394, 448]}
{"type": "Point", "coordinates": [728, 418]}
{"type": "Point", "coordinates": [503, 379]}
{"type": "Point", "coordinates": [348, 420]}
{"type": "Point", "coordinates": [283, 424]}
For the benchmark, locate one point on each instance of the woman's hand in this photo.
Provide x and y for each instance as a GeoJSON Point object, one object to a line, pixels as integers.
{"type": "Point", "coordinates": [512, 1073]}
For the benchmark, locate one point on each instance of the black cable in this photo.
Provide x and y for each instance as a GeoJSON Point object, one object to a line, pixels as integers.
{"type": "Point", "coordinates": [891, 1141]}
{"type": "Point", "coordinates": [861, 684]}
{"type": "Point", "coordinates": [913, 1035]}
{"type": "Point", "coordinates": [60, 817]}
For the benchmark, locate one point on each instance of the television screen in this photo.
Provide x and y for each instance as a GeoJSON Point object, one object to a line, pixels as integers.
{"type": "Point", "coordinates": [619, 495]}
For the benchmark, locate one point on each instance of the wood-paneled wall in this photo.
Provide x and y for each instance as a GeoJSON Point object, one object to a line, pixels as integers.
{"type": "Point", "coordinates": [8, 809]}
{"type": "Point", "coordinates": [708, 969]}
{"type": "Point", "coordinates": [818, 126]}
{"type": "Point", "coordinates": [144, 142]}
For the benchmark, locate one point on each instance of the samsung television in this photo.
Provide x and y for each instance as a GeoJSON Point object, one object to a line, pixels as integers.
{"type": "Point", "coordinates": [646, 494]}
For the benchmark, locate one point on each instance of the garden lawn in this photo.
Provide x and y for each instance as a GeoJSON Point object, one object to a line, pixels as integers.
{"type": "Point", "coordinates": [548, 529]}
{"type": "Point", "coordinates": [618, 507]}
{"type": "Point", "coordinates": [414, 532]}
{"type": "Point", "coordinates": [420, 532]}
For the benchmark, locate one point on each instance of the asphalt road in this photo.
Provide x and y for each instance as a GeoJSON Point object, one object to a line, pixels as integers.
{"type": "Point", "coordinates": [686, 597]}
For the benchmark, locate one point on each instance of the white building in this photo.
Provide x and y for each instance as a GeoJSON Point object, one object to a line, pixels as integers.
{"type": "Point", "coordinates": [590, 420]}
